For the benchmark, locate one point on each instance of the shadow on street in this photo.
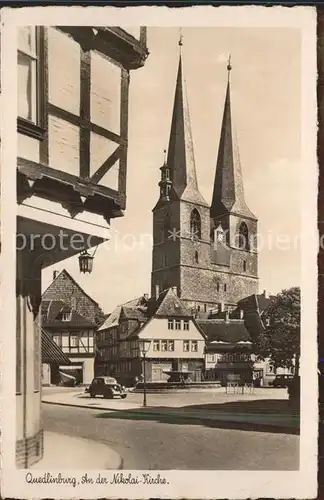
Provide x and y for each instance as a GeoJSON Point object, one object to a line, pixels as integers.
{"type": "Point", "coordinates": [163, 414]}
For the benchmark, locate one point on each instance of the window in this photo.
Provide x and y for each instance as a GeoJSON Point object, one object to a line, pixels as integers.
{"type": "Point", "coordinates": [186, 324]}
{"type": "Point", "coordinates": [74, 341]}
{"type": "Point", "coordinates": [219, 234]}
{"type": "Point", "coordinates": [243, 237]}
{"type": "Point", "coordinates": [211, 358]}
{"type": "Point", "coordinates": [57, 339]}
{"type": "Point", "coordinates": [66, 316]}
{"type": "Point", "coordinates": [30, 67]}
{"type": "Point", "coordinates": [178, 324]}
{"type": "Point", "coordinates": [164, 345]}
{"type": "Point", "coordinates": [195, 225]}
{"type": "Point", "coordinates": [225, 287]}
{"type": "Point", "coordinates": [165, 174]}
{"type": "Point", "coordinates": [186, 345]}
{"type": "Point", "coordinates": [171, 345]}
{"type": "Point", "coordinates": [196, 257]}
{"type": "Point", "coordinates": [217, 286]}
{"type": "Point", "coordinates": [170, 324]}
{"type": "Point", "coordinates": [156, 345]}
{"type": "Point", "coordinates": [244, 265]}
{"type": "Point", "coordinates": [194, 346]}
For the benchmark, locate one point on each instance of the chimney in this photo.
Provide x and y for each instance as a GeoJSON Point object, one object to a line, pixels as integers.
{"type": "Point", "coordinates": [265, 294]}
{"type": "Point", "coordinates": [175, 290]}
{"type": "Point", "coordinates": [55, 273]}
{"type": "Point", "coordinates": [157, 291]}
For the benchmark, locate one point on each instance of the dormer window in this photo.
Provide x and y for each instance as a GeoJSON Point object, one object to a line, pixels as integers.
{"type": "Point", "coordinates": [66, 316]}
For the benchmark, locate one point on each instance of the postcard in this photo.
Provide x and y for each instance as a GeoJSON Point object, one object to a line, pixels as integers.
{"type": "Point", "coordinates": [158, 250]}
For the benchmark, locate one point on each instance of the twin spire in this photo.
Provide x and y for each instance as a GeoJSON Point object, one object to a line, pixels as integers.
{"type": "Point", "coordinates": [228, 194]}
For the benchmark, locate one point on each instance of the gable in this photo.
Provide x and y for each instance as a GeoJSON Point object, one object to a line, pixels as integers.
{"type": "Point", "coordinates": [170, 305]}
{"type": "Point", "coordinates": [65, 289]}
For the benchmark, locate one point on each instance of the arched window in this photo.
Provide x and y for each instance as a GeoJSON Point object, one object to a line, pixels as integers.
{"type": "Point", "coordinates": [244, 265]}
{"type": "Point", "coordinates": [195, 225]}
{"type": "Point", "coordinates": [243, 236]}
{"type": "Point", "coordinates": [196, 257]}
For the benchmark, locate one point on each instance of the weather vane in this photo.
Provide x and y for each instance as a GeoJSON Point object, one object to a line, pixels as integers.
{"type": "Point", "coordinates": [180, 38]}
{"type": "Point", "coordinates": [229, 66]}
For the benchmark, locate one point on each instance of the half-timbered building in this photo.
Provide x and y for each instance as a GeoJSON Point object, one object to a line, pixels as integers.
{"type": "Point", "coordinates": [71, 317]}
{"type": "Point", "coordinates": [72, 126]}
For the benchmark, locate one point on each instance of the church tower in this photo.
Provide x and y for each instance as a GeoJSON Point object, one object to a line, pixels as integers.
{"type": "Point", "coordinates": [181, 218]}
{"type": "Point", "coordinates": [233, 225]}
{"type": "Point", "coordinates": [204, 251]}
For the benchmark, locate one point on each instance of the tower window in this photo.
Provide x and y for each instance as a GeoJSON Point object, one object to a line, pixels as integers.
{"type": "Point", "coordinates": [225, 287]}
{"type": "Point", "coordinates": [243, 237]}
{"type": "Point", "coordinates": [244, 265]}
{"type": "Point", "coordinates": [195, 225]}
{"type": "Point", "coordinates": [217, 286]}
{"type": "Point", "coordinates": [196, 257]}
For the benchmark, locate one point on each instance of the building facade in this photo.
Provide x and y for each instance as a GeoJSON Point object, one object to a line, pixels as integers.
{"type": "Point", "coordinates": [176, 341]}
{"type": "Point", "coordinates": [71, 317]}
{"type": "Point", "coordinates": [207, 252]}
{"type": "Point", "coordinates": [72, 126]}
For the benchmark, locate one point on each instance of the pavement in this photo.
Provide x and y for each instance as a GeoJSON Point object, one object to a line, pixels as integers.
{"type": "Point", "coordinates": [265, 409]}
{"type": "Point", "coordinates": [161, 442]}
{"type": "Point", "coordinates": [66, 452]}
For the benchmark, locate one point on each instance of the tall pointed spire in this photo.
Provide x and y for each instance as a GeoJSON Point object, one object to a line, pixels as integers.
{"type": "Point", "coordinates": [181, 159]}
{"type": "Point", "coordinates": [228, 195]}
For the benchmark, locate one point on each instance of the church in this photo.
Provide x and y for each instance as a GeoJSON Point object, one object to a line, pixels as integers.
{"type": "Point", "coordinates": [207, 251]}
{"type": "Point", "coordinates": [204, 268]}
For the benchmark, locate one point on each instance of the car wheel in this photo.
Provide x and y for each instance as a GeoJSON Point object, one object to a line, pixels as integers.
{"type": "Point", "coordinates": [92, 395]}
{"type": "Point", "coordinates": [108, 394]}
{"type": "Point", "coordinates": [123, 396]}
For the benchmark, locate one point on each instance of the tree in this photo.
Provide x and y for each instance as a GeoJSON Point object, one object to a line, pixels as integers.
{"type": "Point", "coordinates": [280, 339]}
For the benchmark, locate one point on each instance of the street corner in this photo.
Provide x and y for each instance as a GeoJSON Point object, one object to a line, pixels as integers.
{"type": "Point", "coordinates": [66, 452]}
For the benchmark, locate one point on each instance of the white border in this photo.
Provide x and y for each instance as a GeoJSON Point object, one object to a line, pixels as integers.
{"type": "Point", "coordinates": [182, 484]}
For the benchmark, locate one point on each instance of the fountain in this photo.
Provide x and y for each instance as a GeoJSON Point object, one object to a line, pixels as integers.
{"type": "Point", "coordinates": [178, 376]}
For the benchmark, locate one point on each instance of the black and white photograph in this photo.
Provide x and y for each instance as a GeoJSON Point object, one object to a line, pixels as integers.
{"type": "Point", "coordinates": [158, 252]}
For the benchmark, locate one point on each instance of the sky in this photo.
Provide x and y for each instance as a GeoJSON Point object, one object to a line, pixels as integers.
{"type": "Point", "coordinates": [266, 105]}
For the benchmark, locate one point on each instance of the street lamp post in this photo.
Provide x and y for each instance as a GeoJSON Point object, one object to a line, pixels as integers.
{"type": "Point", "coordinates": [144, 346]}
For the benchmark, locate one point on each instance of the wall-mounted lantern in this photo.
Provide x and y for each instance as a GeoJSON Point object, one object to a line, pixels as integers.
{"type": "Point", "coordinates": [86, 261]}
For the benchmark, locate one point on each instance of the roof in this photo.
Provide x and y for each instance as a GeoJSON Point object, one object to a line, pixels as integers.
{"type": "Point", "coordinates": [132, 313]}
{"type": "Point", "coordinates": [256, 302]}
{"type": "Point", "coordinates": [180, 158]}
{"type": "Point", "coordinates": [50, 309]}
{"type": "Point", "coordinates": [228, 193]}
{"type": "Point", "coordinates": [64, 271]}
{"type": "Point", "coordinates": [232, 331]}
{"type": "Point", "coordinates": [51, 352]}
{"type": "Point", "coordinates": [168, 304]}
{"type": "Point", "coordinates": [114, 317]}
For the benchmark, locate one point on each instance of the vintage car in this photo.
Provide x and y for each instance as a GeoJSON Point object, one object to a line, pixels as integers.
{"type": "Point", "coordinates": [107, 387]}
{"type": "Point", "coordinates": [281, 381]}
